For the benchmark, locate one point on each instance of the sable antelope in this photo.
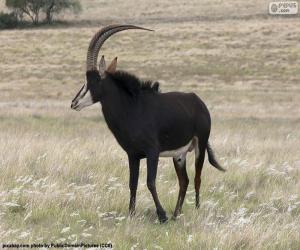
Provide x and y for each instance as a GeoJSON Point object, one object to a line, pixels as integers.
{"type": "Point", "coordinates": [147, 123]}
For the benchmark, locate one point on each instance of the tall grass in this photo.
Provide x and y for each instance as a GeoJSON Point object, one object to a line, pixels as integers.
{"type": "Point", "coordinates": [65, 179]}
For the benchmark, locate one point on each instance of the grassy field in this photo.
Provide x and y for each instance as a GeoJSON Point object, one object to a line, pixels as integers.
{"type": "Point", "coordinates": [65, 179]}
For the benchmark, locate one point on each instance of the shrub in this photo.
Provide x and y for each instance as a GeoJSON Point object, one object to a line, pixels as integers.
{"type": "Point", "coordinates": [34, 8]}
{"type": "Point", "coordinates": [8, 21]}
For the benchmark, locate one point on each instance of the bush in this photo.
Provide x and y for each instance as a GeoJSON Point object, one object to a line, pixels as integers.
{"type": "Point", "coordinates": [8, 21]}
{"type": "Point", "coordinates": [34, 8]}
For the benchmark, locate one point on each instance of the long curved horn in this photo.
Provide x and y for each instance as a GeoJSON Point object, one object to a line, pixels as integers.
{"type": "Point", "coordinates": [98, 40]}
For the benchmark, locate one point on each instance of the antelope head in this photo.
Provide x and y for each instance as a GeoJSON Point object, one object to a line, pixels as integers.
{"type": "Point", "coordinates": [90, 92]}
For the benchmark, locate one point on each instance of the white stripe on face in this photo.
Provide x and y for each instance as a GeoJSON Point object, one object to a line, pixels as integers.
{"type": "Point", "coordinates": [83, 99]}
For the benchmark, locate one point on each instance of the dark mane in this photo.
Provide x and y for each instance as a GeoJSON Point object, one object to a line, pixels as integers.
{"type": "Point", "coordinates": [132, 85]}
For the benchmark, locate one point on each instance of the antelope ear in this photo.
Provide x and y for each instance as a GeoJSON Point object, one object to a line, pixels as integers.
{"type": "Point", "coordinates": [102, 67]}
{"type": "Point", "coordinates": [113, 66]}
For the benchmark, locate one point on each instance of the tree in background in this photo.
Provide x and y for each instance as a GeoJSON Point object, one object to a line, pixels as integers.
{"type": "Point", "coordinates": [53, 7]}
{"type": "Point", "coordinates": [33, 8]}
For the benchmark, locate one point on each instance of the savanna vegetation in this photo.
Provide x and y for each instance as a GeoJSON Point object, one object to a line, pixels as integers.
{"type": "Point", "coordinates": [65, 179]}
{"type": "Point", "coordinates": [20, 11]}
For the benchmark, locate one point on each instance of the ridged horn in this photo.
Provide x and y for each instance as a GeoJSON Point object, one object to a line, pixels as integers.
{"type": "Point", "coordinates": [98, 40]}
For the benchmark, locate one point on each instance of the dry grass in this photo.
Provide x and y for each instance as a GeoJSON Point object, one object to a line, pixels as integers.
{"type": "Point", "coordinates": [65, 179]}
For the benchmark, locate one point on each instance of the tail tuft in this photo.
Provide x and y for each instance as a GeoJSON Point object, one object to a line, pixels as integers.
{"type": "Point", "coordinates": [212, 160]}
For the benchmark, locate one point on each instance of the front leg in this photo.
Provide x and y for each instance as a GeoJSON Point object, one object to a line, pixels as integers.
{"type": "Point", "coordinates": [134, 167]}
{"type": "Point", "coordinates": [152, 162]}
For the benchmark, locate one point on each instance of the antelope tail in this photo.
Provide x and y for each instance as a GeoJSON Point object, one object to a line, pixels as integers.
{"type": "Point", "coordinates": [212, 159]}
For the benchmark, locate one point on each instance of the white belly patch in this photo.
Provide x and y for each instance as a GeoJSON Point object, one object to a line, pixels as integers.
{"type": "Point", "coordinates": [182, 151]}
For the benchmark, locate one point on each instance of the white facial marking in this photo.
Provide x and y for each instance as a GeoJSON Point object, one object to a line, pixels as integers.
{"type": "Point", "coordinates": [83, 99]}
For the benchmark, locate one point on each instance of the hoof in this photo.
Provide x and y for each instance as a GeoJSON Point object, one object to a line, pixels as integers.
{"type": "Point", "coordinates": [177, 216]}
{"type": "Point", "coordinates": [163, 220]}
{"type": "Point", "coordinates": [162, 217]}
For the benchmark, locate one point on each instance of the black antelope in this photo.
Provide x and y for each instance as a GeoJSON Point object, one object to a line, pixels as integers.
{"type": "Point", "coordinates": [147, 123]}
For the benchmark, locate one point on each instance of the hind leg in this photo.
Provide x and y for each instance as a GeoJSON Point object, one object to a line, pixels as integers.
{"type": "Point", "coordinates": [180, 167]}
{"type": "Point", "coordinates": [199, 160]}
